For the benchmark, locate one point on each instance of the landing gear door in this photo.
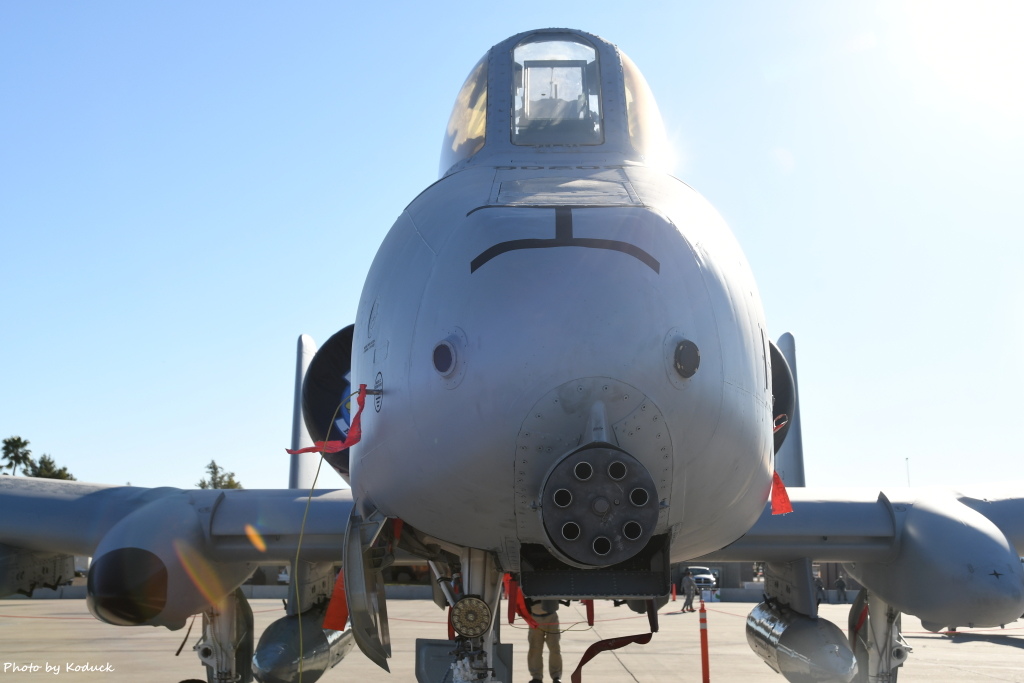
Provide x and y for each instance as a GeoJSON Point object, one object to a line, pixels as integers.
{"type": "Point", "coordinates": [364, 559]}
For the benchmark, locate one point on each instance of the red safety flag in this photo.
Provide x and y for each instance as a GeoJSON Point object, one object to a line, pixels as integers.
{"type": "Point", "coordinates": [511, 594]}
{"type": "Point", "coordinates": [337, 609]}
{"type": "Point", "coordinates": [355, 432]}
{"type": "Point", "coordinates": [517, 603]}
{"type": "Point", "coordinates": [780, 499]}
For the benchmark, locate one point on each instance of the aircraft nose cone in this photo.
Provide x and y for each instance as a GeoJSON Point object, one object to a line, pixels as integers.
{"type": "Point", "coordinates": [127, 587]}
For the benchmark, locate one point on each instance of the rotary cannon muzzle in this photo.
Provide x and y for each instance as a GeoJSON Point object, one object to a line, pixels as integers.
{"type": "Point", "coordinates": [599, 505]}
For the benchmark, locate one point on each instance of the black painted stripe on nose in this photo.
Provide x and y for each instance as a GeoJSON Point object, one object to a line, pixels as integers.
{"type": "Point", "coordinates": [564, 238]}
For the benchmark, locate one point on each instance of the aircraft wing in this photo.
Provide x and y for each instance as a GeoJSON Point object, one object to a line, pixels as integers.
{"type": "Point", "coordinates": [906, 545]}
{"type": "Point", "coordinates": [171, 552]}
{"type": "Point", "coordinates": [863, 525]}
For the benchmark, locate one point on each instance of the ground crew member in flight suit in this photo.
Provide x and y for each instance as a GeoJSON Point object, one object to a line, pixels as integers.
{"type": "Point", "coordinates": [545, 613]}
{"type": "Point", "coordinates": [688, 587]}
{"type": "Point", "coordinates": [841, 590]}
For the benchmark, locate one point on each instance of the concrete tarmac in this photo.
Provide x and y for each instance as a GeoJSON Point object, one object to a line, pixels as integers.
{"type": "Point", "coordinates": [44, 638]}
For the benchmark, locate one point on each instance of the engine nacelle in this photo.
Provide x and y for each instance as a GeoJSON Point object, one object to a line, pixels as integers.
{"type": "Point", "coordinates": [150, 567]}
{"type": "Point", "coordinates": [325, 396]}
{"type": "Point", "coordinates": [802, 649]}
{"type": "Point", "coordinates": [950, 550]}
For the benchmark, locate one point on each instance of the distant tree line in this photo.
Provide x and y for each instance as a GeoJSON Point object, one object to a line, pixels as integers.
{"type": "Point", "coordinates": [219, 479]}
{"type": "Point", "coordinates": [17, 454]}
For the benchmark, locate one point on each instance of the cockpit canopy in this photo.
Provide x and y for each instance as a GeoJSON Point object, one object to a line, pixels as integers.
{"type": "Point", "coordinates": [557, 91]}
{"type": "Point", "coordinates": [550, 91]}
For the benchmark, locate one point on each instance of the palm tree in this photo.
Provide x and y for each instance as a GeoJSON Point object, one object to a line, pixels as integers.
{"type": "Point", "coordinates": [16, 453]}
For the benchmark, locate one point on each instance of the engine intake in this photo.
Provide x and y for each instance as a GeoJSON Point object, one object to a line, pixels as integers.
{"type": "Point", "coordinates": [127, 586]}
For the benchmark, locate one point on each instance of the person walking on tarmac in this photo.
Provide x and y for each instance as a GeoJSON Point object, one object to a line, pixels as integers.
{"type": "Point", "coordinates": [545, 613]}
{"type": "Point", "coordinates": [688, 587]}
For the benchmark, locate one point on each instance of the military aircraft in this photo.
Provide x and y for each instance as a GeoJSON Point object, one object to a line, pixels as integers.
{"type": "Point", "coordinates": [563, 384]}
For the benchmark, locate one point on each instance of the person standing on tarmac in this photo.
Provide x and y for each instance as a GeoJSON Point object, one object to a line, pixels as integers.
{"type": "Point", "coordinates": [545, 613]}
{"type": "Point", "coordinates": [840, 585]}
{"type": "Point", "coordinates": [819, 590]}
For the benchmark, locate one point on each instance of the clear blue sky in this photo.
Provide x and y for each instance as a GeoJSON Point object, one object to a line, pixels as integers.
{"type": "Point", "coordinates": [186, 187]}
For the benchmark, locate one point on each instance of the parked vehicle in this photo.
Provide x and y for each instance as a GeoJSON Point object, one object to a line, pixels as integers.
{"type": "Point", "coordinates": [703, 577]}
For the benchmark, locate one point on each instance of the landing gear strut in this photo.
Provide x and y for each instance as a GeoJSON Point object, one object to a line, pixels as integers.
{"type": "Point", "coordinates": [226, 646]}
{"type": "Point", "coordinates": [876, 639]}
{"type": "Point", "coordinates": [475, 618]}
{"type": "Point", "coordinates": [476, 655]}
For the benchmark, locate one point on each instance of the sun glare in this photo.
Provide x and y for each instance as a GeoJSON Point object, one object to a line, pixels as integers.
{"type": "Point", "coordinates": [974, 50]}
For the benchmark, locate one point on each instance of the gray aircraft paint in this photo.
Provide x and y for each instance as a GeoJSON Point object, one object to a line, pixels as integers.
{"type": "Point", "coordinates": [534, 301]}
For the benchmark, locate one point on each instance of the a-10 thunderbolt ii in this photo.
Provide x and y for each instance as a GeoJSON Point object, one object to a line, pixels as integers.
{"type": "Point", "coordinates": [569, 382]}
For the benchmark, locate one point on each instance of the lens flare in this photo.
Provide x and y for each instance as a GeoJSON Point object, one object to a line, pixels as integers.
{"type": "Point", "coordinates": [204, 577]}
{"type": "Point", "coordinates": [255, 538]}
